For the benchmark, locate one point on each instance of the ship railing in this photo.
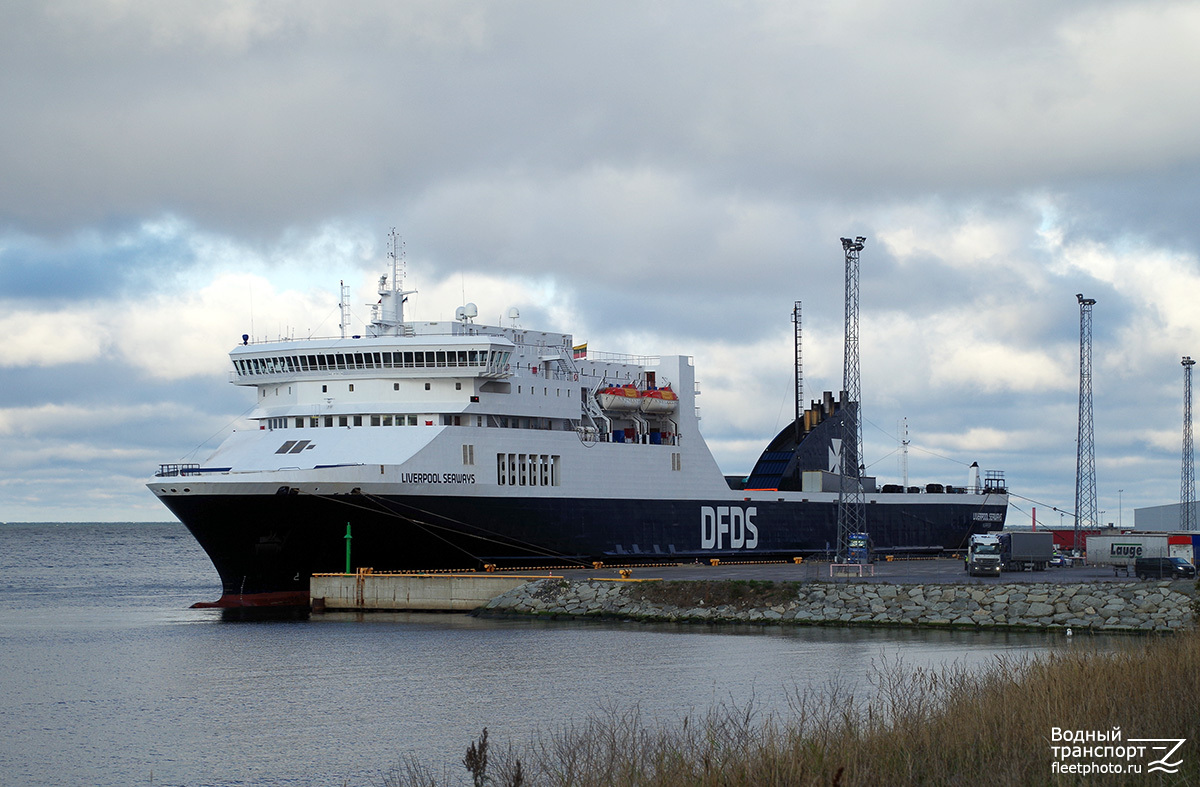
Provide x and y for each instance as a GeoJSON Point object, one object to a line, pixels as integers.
{"type": "Point", "coordinates": [174, 470]}
{"type": "Point", "coordinates": [636, 360]}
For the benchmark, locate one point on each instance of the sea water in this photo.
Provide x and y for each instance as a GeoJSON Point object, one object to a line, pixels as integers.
{"type": "Point", "coordinates": [109, 678]}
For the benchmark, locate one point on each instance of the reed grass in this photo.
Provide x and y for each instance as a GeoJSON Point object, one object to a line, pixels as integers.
{"type": "Point", "coordinates": [947, 726]}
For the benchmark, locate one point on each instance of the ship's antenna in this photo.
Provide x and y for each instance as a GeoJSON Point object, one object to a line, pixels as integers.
{"type": "Point", "coordinates": [852, 502]}
{"type": "Point", "coordinates": [796, 319]}
{"type": "Point", "coordinates": [1187, 486]}
{"type": "Point", "coordinates": [904, 441]}
{"type": "Point", "coordinates": [345, 306]}
{"type": "Point", "coordinates": [1085, 460]}
{"type": "Point", "coordinates": [396, 253]}
{"type": "Point", "coordinates": [388, 312]}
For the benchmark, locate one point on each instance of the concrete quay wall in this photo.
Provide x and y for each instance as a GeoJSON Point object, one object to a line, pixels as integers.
{"type": "Point", "coordinates": [1098, 606]}
{"type": "Point", "coordinates": [425, 592]}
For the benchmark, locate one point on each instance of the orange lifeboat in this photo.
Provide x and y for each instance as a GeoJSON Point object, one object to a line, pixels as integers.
{"type": "Point", "coordinates": [622, 398]}
{"type": "Point", "coordinates": [659, 400]}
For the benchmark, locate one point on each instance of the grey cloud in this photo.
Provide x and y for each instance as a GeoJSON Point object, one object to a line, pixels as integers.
{"type": "Point", "coordinates": [294, 117]}
{"type": "Point", "coordinates": [684, 170]}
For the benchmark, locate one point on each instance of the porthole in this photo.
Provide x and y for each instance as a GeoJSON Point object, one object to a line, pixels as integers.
{"type": "Point", "coordinates": [186, 489]}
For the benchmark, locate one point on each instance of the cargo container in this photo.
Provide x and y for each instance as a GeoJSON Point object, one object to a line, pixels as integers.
{"type": "Point", "coordinates": [1182, 546]}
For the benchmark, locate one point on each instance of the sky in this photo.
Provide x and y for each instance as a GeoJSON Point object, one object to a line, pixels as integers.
{"type": "Point", "coordinates": [653, 178]}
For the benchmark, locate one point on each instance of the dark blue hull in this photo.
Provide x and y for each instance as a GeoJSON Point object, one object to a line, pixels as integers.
{"type": "Point", "coordinates": [269, 545]}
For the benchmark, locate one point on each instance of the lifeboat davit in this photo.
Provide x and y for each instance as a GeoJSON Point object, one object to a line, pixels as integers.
{"type": "Point", "coordinates": [659, 400]}
{"type": "Point", "coordinates": [624, 398]}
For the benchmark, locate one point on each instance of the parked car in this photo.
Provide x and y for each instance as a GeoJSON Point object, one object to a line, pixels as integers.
{"type": "Point", "coordinates": [1163, 568]}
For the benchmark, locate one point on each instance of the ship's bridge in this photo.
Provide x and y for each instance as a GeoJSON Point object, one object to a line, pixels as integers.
{"type": "Point", "coordinates": [419, 356]}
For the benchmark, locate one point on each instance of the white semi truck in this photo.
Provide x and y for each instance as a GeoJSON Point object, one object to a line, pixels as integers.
{"type": "Point", "coordinates": [983, 555]}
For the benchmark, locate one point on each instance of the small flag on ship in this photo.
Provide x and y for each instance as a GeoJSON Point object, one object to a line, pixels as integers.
{"type": "Point", "coordinates": [580, 350]}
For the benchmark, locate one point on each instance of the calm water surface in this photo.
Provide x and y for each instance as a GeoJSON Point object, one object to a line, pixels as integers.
{"type": "Point", "coordinates": [109, 679]}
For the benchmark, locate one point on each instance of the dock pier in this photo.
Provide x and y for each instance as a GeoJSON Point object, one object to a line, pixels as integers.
{"type": "Point", "coordinates": [430, 592]}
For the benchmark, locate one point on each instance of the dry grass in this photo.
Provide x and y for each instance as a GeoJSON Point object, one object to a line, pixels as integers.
{"type": "Point", "coordinates": [948, 726]}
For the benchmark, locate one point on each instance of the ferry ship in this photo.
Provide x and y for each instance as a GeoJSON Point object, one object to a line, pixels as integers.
{"type": "Point", "coordinates": [458, 445]}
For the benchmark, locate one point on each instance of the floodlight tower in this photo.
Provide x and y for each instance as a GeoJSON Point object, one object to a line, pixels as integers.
{"type": "Point", "coordinates": [1187, 486]}
{"type": "Point", "coordinates": [1086, 515]}
{"type": "Point", "coordinates": [852, 503]}
{"type": "Point", "coordinates": [798, 425]}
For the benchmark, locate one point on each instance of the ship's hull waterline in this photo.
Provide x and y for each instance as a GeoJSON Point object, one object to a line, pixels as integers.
{"type": "Point", "coordinates": [265, 547]}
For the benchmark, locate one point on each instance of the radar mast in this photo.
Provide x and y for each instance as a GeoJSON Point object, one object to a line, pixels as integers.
{"type": "Point", "coordinates": [389, 312]}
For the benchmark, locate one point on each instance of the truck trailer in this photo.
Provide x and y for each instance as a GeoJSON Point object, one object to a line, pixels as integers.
{"type": "Point", "coordinates": [1020, 551]}
{"type": "Point", "coordinates": [1121, 550]}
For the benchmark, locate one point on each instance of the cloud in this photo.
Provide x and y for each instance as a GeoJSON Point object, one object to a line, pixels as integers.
{"type": "Point", "coordinates": [650, 178]}
{"type": "Point", "coordinates": [254, 117]}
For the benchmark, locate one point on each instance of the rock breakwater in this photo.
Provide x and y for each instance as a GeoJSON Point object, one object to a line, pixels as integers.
{"type": "Point", "coordinates": [1099, 606]}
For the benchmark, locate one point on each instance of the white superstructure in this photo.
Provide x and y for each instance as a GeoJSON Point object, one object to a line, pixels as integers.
{"type": "Point", "coordinates": [426, 405]}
